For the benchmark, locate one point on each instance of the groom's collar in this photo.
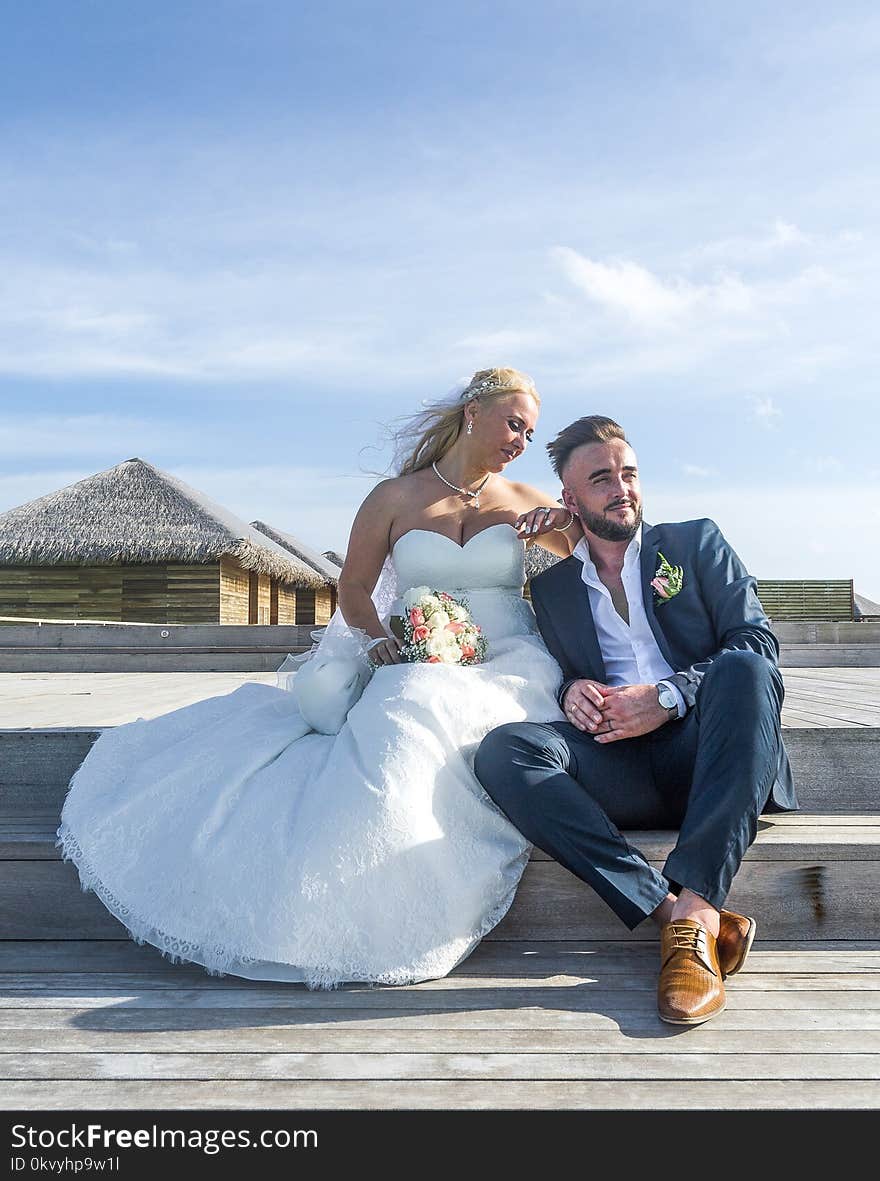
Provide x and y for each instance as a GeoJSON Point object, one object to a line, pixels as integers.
{"type": "Point", "coordinates": [633, 551]}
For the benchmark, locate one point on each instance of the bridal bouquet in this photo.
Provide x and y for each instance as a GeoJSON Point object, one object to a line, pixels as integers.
{"type": "Point", "coordinates": [438, 629]}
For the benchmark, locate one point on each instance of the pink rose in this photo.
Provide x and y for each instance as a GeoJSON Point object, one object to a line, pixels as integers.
{"type": "Point", "coordinates": [467, 652]}
{"type": "Point", "coordinates": [419, 634]}
{"type": "Point", "coordinates": [433, 660]}
{"type": "Point", "coordinates": [661, 586]}
{"type": "Point", "coordinates": [455, 628]}
{"type": "Point", "coordinates": [416, 616]}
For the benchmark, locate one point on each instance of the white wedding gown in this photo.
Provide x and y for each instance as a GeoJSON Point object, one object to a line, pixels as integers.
{"type": "Point", "coordinates": [369, 855]}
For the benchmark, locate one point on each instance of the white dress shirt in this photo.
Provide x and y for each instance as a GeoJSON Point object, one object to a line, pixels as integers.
{"type": "Point", "coordinates": [629, 650]}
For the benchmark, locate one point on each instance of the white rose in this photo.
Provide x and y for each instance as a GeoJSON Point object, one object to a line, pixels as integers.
{"type": "Point", "coordinates": [439, 619]}
{"type": "Point", "coordinates": [435, 645]}
{"type": "Point", "coordinates": [412, 596]}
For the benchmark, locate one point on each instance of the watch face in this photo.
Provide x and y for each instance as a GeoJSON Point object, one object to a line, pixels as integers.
{"type": "Point", "coordinates": [666, 697]}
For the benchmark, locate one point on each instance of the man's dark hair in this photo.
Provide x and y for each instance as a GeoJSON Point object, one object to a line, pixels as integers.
{"type": "Point", "coordinates": [595, 428]}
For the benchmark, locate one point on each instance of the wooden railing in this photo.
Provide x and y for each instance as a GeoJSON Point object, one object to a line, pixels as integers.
{"type": "Point", "coordinates": [820, 599]}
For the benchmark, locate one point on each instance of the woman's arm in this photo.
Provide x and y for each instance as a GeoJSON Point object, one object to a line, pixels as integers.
{"type": "Point", "coordinates": [559, 530]}
{"type": "Point", "coordinates": [367, 550]}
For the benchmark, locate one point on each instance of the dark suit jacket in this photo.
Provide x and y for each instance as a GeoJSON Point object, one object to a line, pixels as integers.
{"type": "Point", "coordinates": [717, 609]}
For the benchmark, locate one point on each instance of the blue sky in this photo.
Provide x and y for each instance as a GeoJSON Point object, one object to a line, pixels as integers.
{"type": "Point", "coordinates": [237, 236]}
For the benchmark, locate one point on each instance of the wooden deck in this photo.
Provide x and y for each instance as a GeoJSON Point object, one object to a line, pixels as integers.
{"type": "Point", "coordinates": [813, 696]}
{"type": "Point", "coordinates": [554, 1010]}
{"type": "Point", "coordinates": [525, 1025]}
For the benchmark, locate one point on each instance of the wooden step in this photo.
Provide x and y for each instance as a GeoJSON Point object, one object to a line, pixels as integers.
{"type": "Point", "coordinates": [533, 1024]}
{"type": "Point", "coordinates": [830, 656]}
{"type": "Point", "coordinates": [810, 878]}
{"type": "Point", "coordinates": [36, 647]}
{"type": "Point", "coordinates": [267, 658]}
{"type": "Point", "coordinates": [835, 768]}
{"type": "Point", "coordinates": [207, 660]}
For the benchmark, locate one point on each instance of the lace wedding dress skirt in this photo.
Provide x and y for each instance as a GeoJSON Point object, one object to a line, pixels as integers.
{"type": "Point", "coordinates": [222, 837]}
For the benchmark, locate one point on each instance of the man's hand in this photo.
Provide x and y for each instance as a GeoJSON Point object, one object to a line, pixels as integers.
{"type": "Point", "coordinates": [583, 704]}
{"type": "Point", "coordinates": [629, 711]}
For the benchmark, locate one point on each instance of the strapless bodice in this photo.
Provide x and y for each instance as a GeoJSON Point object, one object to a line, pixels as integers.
{"type": "Point", "coordinates": [494, 559]}
{"type": "Point", "coordinates": [488, 570]}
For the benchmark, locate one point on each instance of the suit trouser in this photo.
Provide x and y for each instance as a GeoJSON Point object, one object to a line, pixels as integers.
{"type": "Point", "coordinates": [708, 775]}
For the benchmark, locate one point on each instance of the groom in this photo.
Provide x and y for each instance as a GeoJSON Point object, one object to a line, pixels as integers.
{"type": "Point", "coordinates": [672, 698]}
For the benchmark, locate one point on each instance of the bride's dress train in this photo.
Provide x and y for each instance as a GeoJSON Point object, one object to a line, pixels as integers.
{"type": "Point", "coordinates": [219, 836]}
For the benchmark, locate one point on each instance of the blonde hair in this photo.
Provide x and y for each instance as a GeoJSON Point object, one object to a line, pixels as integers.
{"type": "Point", "coordinates": [426, 437]}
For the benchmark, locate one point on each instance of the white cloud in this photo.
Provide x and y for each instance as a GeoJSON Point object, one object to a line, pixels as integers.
{"type": "Point", "coordinates": [214, 323]}
{"type": "Point", "coordinates": [700, 473]}
{"type": "Point", "coordinates": [744, 249]}
{"type": "Point", "coordinates": [629, 290]}
{"type": "Point", "coordinates": [765, 411]}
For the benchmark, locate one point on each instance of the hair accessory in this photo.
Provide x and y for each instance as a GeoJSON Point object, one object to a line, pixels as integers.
{"type": "Point", "coordinates": [474, 391]}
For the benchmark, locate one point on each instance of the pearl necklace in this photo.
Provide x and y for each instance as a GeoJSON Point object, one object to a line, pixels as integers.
{"type": "Point", "coordinates": [475, 494]}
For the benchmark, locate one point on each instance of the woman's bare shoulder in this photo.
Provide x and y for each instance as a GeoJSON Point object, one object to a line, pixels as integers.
{"type": "Point", "coordinates": [526, 496]}
{"type": "Point", "coordinates": [391, 495]}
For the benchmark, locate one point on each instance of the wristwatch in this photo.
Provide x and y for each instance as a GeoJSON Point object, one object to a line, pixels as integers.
{"type": "Point", "coordinates": [667, 699]}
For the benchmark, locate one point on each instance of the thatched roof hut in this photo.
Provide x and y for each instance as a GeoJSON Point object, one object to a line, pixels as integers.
{"type": "Point", "coordinates": [136, 513]}
{"type": "Point", "coordinates": [335, 557]}
{"type": "Point", "coordinates": [866, 609]}
{"type": "Point", "coordinates": [327, 570]}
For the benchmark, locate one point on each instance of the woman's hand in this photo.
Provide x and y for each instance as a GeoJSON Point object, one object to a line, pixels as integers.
{"type": "Point", "coordinates": [385, 650]}
{"type": "Point", "coordinates": [543, 520]}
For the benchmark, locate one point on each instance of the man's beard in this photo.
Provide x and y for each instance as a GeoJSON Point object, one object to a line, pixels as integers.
{"type": "Point", "coordinates": [608, 530]}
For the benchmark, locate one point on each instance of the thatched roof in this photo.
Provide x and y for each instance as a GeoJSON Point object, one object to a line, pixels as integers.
{"type": "Point", "coordinates": [136, 513]}
{"type": "Point", "coordinates": [335, 557]}
{"type": "Point", "coordinates": [318, 562]}
{"type": "Point", "coordinates": [866, 608]}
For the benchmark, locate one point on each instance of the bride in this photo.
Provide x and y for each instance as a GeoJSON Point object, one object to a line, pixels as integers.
{"type": "Point", "coordinates": [223, 835]}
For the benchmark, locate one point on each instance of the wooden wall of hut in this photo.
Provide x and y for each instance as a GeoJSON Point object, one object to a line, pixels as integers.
{"type": "Point", "coordinates": [259, 597]}
{"type": "Point", "coordinates": [315, 606]}
{"type": "Point", "coordinates": [325, 604]}
{"type": "Point", "coordinates": [161, 593]}
{"type": "Point", "coordinates": [234, 584]}
{"type": "Point", "coordinates": [286, 604]}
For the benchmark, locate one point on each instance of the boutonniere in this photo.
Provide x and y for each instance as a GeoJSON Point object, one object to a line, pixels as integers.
{"type": "Point", "coordinates": [667, 580]}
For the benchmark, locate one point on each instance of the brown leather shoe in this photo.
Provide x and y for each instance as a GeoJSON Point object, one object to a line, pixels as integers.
{"type": "Point", "coordinates": [690, 989]}
{"type": "Point", "coordinates": [736, 933]}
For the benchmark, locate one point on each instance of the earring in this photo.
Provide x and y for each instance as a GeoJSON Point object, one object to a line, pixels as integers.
{"type": "Point", "coordinates": [470, 428]}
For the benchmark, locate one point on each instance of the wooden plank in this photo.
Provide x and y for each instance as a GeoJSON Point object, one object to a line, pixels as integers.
{"type": "Point", "coordinates": [817, 632]}
{"type": "Point", "coordinates": [409, 1066]}
{"type": "Point", "coordinates": [132, 1017]}
{"type": "Point", "coordinates": [793, 836]}
{"type": "Point", "coordinates": [559, 993]}
{"type": "Point", "coordinates": [529, 958]}
{"type": "Point", "coordinates": [56, 1036]}
{"type": "Point", "coordinates": [458, 1094]}
{"type": "Point", "coordinates": [806, 599]}
{"type": "Point", "coordinates": [125, 635]}
{"type": "Point", "coordinates": [835, 769]}
{"type": "Point", "coordinates": [789, 899]}
{"type": "Point", "coordinates": [867, 656]}
{"type": "Point", "coordinates": [625, 979]}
